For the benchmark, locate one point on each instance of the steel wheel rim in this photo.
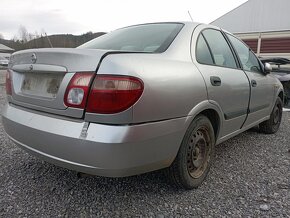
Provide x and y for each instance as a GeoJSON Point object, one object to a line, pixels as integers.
{"type": "Point", "coordinates": [198, 152]}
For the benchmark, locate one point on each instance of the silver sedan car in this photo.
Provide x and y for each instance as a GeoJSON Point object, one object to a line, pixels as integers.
{"type": "Point", "coordinates": [139, 99]}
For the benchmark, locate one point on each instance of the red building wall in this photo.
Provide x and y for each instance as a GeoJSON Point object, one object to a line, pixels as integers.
{"type": "Point", "coordinates": [270, 45]}
{"type": "Point", "coordinates": [252, 43]}
{"type": "Point", "coordinates": [277, 45]}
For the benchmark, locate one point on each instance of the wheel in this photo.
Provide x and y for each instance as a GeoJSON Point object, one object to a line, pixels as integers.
{"type": "Point", "coordinates": [272, 125]}
{"type": "Point", "coordinates": [195, 154]}
{"type": "Point", "coordinates": [286, 86]}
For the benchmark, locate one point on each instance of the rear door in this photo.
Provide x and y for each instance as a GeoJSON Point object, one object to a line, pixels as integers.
{"type": "Point", "coordinates": [227, 85]}
{"type": "Point", "coordinates": [262, 89]}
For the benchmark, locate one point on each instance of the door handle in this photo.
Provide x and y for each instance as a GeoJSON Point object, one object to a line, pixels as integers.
{"type": "Point", "coordinates": [215, 81]}
{"type": "Point", "coordinates": [253, 83]}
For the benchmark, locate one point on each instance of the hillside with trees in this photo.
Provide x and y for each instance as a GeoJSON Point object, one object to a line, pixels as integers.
{"type": "Point", "coordinates": [27, 40]}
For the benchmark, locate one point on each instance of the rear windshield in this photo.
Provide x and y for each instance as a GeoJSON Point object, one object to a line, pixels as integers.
{"type": "Point", "coordinates": [152, 38]}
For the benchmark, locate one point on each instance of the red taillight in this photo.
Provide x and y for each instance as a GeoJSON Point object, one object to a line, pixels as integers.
{"type": "Point", "coordinates": [113, 94]}
{"type": "Point", "coordinates": [8, 83]}
{"type": "Point", "coordinates": [78, 89]}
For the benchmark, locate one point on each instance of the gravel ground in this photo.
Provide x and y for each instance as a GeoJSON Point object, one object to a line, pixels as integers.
{"type": "Point", "coordinates": [250, 178]}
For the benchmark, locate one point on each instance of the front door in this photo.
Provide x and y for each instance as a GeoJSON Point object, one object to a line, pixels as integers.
{"type": "Point", "coordinates": [262, 89]}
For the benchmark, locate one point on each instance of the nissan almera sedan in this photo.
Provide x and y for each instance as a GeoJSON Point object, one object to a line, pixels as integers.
{"type": "Point", "coordinates": [139, 99]}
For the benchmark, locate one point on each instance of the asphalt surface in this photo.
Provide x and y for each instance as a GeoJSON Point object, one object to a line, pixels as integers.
{"type": "Point", "coordinates": [250, 178]}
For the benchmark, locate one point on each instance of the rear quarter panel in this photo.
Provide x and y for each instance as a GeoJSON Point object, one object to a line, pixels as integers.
{"type": "Point", "coordinates": [172, 88]}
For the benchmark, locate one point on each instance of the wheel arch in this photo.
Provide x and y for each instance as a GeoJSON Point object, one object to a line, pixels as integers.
{"type": "Point", "coordinates": [281, 96]}
{"type": "Point", "coordinates": [179, 170]}
{"type": "Point", "coordinates": [212, 112]}
{"type": "Point", "coordinates": [214, 118]}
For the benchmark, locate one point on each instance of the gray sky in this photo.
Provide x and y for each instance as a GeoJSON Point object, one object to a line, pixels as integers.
{"type": "Point", "coordinates": [76, 17]}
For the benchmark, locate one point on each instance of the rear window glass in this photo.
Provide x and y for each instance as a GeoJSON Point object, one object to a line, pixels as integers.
{"type": "Point", "coordinates": [152, 38]}
{"type": "Point", "coordinates": [203, 55]}
{"type": "Point", "coordinates": [220, 49]}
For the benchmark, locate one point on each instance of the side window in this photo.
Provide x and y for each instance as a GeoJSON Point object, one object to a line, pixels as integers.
{"type": "Point", "coordinates": [219, 48]}
{"type": "Point", "coordinates": [203, 55]}
{"type": "Point", "coordinates": [248, 58]}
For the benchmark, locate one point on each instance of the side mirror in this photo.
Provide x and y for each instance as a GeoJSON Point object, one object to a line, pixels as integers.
{"type": "Point", "coordinates": [267, 68]}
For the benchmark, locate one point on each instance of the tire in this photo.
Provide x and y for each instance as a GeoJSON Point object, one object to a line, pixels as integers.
{"type": "Point", "coordinates": [195, 155]}
{"type": "Point", "coordinates": [272, 125]}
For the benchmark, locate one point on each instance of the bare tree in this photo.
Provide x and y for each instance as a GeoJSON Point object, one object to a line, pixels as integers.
{"type": "Point", "coordinates": [30, 36]}
{"type": "Point", "coordinates": [36, 34]}
{"type": "Point", "coordinates": [23, 34]}
{"type": "Point", "coordinates": [42, 32]}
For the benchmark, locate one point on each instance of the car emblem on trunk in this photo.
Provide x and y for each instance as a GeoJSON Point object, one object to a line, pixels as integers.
{"type": "Point", "coordinates": [33, 58]}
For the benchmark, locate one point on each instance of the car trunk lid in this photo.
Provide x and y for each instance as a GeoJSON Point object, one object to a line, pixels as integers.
{"type": "Point", "coordinates": [40, 77]}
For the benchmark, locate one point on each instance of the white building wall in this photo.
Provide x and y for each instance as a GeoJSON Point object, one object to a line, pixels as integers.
{"type": "Point", "coordinates": [257, 16]}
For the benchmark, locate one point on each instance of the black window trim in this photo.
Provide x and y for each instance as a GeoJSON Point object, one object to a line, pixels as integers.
{"type": "Point", "coordinates": [219, 30]}
{"type": "Point", "coordinates": [210, 52]}
{"type": "Point", "coordinates": [250, 50]}
{"type": "Point", "coordinates": [238, 61]}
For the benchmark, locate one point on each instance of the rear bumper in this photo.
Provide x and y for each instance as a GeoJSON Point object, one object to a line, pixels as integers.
{"type": "Point", "coordinates": [105, 150]}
